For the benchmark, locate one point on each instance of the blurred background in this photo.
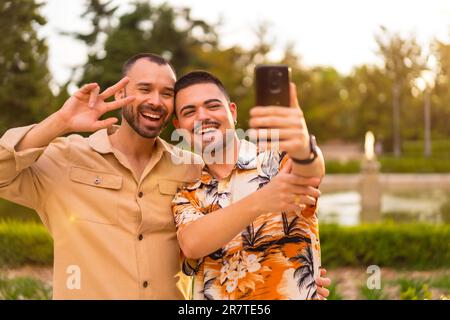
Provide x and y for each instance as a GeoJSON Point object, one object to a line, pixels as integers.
{"type": "Point", "coordinates": [374, 83]}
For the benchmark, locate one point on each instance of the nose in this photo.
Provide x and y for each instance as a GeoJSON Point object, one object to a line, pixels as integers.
{"type": "Point", "coordinates": [154, 98]}
{"type": "Point", "coordinates": [202, 114]}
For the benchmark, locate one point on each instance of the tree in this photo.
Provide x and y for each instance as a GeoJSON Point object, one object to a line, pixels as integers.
{"type": "Point", "coordinates": [403, 62]}
{"type": "Point", "coordinates": [161, 29]}
{"type": "Point", "coordinates": [25, 96]}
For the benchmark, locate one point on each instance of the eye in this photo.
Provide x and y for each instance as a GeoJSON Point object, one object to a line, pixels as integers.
{"type": "Point", "coordinates": [168, 94]}
{"type": "Point", "coordinates": [188, 113]}
{"type": "Point", "coordinates": [214, 106]}
{"type": "Point", "coordinates": [144, 90]}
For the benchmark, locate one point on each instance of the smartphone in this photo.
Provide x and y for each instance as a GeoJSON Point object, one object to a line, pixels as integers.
{"type": "Point", "coordinates": [272, 85]}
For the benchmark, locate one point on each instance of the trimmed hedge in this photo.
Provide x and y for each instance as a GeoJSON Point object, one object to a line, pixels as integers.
{"type": "Point", "coordinates": [24, 243]}
{"type": "Point", "coordinates": [411, 246]}
{"type": "Point", "coordinates": [393, 165]}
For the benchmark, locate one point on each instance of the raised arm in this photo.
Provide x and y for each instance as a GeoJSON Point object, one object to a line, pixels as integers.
{"type": "Point", "coordinates": [210, 232]}
{"type": "Point", "coordinates": [80, 113]}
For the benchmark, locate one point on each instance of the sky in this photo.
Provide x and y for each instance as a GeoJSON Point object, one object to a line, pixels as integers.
{"type": "Point", "coordinates": [338, 33]}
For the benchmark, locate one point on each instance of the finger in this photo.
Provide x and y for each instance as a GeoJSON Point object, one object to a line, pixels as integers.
{"type": "Point", "coordinates": [287, 168]}
{"type": "Point", "coordinates": [276, 122]}
{"type": "Point", "coordinates": [303, 199]}
{"type": "Point", "coordinates": [307, 191]}
{"type": "Point", "coordinates": [303, 181]}
{"type": "Point", "coordinates": [87, 88]}
{"type": "Point", "coordinates": [324, 292]}
{"type": "Point", "coordinates": [281, 145]}
{"type": "Point", "coordinates": [323, 272]}
{"type": "Point", "coordinates": [102, 124]}
{"type": "Point", "coordinates": [271, 111]}
{"type": "Point", "coordinates": [93, 96]}
{"type": "Point", "coordinates": [84, 91]}
{"type": "Point", "coordinates": [113, 89]}
{"type": "Point", "coordinates": [119, 103]}
{"type": "Point", "coordinates": [293, 95]}
{"type": "Point", "coordinates": [323, 282]}
{"type": "Point", "coordinates": [277, 134]}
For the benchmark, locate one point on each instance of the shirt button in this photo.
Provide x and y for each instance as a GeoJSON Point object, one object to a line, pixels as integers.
{"type": "Point", "coordinates": [97, 181]}
{"type": "Point", "coordinates": [145, 284]}
{"type": "Point", "coordinates": [140, 237]}
{"type": "Point", "coordinates": [140, 194]}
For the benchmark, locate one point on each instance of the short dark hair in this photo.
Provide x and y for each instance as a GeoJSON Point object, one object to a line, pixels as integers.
{"type": "Point", "coordinates": [198, 77]}
{"type": "Point", "coordinates": [147, 56]}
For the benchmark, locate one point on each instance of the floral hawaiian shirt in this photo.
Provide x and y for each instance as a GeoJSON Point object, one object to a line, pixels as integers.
{"type": "Point", "coordinates": [275, 257]}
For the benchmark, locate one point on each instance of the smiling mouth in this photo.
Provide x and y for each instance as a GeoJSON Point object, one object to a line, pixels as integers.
{"type": "Point", "coordinates": [207, 129]}
{"type": "Point", "coordinates": [151, 116]}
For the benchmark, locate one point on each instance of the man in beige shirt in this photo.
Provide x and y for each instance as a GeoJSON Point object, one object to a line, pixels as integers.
{"type": "Point", "coordinates": [105, 199]}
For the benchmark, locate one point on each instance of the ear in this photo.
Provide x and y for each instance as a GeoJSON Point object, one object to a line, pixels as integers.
{"type": "Point", "coordinates": [176, 122]}
{"type": "Point", "coordinates": [233, 110]}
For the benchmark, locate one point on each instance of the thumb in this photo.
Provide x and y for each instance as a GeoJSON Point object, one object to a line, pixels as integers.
{"type": "Point", "coordinates": [293, 95]}
{"type": "Point", "coordinates": [102, 124]}
{"type": "Point", "coordinates": [287, 168]}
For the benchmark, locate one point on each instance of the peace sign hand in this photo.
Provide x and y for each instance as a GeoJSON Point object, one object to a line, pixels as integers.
{"type": "Point", "coordinates": [82, 111]}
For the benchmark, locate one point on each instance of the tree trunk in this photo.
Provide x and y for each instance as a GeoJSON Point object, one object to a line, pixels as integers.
{"type": "Point", "coordinates": [427, 129]}
{"type": "Point", "coordinates": [396, 118]}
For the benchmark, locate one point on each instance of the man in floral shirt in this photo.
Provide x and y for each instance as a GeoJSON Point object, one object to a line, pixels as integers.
{"type": "Point", "coordinates": [248, 228]}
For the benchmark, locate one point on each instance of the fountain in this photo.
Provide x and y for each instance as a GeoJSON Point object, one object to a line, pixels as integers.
{"type": "Point", "coordinates": [370, 186]}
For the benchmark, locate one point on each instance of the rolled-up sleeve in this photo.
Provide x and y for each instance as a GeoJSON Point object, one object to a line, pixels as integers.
{"type": "Point", "coordinates": [12, 161]}
{"type": "Point", "coordinates": [20, 173]}
{"type": "Point", "coordinates": [185, 213]}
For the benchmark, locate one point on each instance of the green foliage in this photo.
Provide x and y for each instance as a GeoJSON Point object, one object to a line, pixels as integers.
{"type": "Point", "coordinates": [24, 288]}
{"type": "Point", "coordinates": [146, 28]}
{"type": "Point", "coordinates": [334, 166]}
{"type": "Point", "coordinates": [24, 243]}
{"type": "Point", "coordinates": [411, 289]}
{"type": "Point", "coordinates": [373, 294]}
{"type": "Point", "coordinates": [414, 165]}
{"type": "Point", "coordinates": [393, 165]}
{"type": "Point", "coordinates": [10, 210]}
{"type": "Point", "coordinates": [418, 246]}
{"type": "Point", "coordinates": [25, 96]}
{"type": "Point", "coordinates": [334, 293]}
{"type": "Point", "coordinates": [442, 282]}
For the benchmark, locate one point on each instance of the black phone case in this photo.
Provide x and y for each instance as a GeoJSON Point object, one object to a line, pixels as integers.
{"type": "Point", "coordinates": [272, 85]}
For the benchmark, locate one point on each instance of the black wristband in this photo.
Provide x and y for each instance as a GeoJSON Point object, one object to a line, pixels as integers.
{"type": "Point", "coordinates": [313, 152]}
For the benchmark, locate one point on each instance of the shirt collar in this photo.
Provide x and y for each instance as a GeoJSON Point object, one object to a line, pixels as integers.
{"type": "Point", "coordinates": [99, 141]}
{"type": "Point", "coordinates": [247, 159]}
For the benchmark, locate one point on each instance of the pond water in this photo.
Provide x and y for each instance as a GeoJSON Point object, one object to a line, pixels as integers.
{"type": "Point", "coordinates": [422, 206]}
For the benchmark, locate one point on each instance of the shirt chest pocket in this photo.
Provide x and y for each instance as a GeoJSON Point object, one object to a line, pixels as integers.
{"type": "Point", "coordinates": [159, 209]}
{"type": "Point", "coordinates": [97, 195]}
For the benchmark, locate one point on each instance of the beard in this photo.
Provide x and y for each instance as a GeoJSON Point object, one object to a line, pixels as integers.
{"type": "Point", "coordinates": [145, 131]}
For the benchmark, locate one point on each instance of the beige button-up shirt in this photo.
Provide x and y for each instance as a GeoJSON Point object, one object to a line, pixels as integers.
{"type": "Point", "coordinates": [114, 234]}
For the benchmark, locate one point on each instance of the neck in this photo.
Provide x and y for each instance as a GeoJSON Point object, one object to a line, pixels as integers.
{"type": "Point", "coordinates": [131, 144]}
{"type": "Point", "coordinates": [231, 151]}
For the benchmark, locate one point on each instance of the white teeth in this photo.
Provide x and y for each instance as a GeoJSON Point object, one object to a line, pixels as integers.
{"type": "Point", "coordinates": [207, 130]}
{"type": "Point", "coordinates": [151, 116]}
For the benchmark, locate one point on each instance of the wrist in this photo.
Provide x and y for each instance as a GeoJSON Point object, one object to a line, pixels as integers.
{"type": "Point", "coordinates": [311, 154]}
{"type": "Point", "coordinates": [59, 124]}
{"type": "Point", "coordinates": [255, 205]}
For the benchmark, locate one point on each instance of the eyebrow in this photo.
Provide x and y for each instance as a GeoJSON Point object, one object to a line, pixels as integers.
{"type": "Point", "coordinates": [191, 106]}
{"type": "Point", "coordinates": [148, 84]}
{"type": "Point", "coordinates": [212, 100]}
